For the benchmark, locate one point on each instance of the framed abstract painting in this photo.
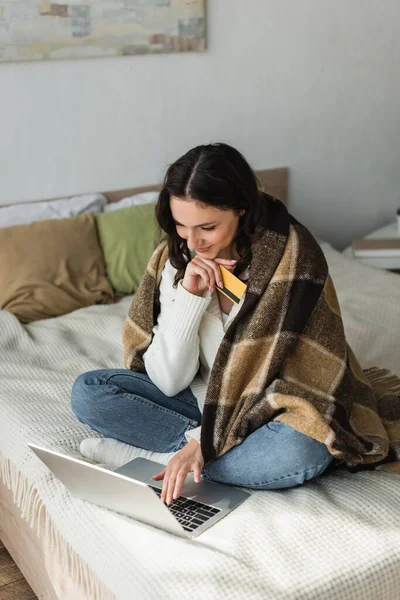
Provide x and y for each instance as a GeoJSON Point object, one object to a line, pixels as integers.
{"type": "Point", "coordinates": [32, 30]}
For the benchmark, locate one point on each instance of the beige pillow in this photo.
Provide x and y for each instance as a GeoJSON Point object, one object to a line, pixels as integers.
{"type": "Point", "coordinates": [50, 268]}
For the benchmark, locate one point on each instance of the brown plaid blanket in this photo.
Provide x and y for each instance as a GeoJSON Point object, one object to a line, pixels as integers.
{"type": "Point", "coordinates": [285, 356]}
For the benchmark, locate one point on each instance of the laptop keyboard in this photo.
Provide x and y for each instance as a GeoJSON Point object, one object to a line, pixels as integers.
{"type": "Point", "coordinates": [189, 513]}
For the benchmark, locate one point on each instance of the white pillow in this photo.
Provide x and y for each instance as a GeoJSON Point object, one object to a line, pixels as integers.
{"type": "Point", "coordinates": [18, 214]}
{"type": "Point", "coordinates": [323, 243]}
{"type": "Point", "coordinates": [369, 300]}
{"type": "Point", "coordinates": [143, 198]}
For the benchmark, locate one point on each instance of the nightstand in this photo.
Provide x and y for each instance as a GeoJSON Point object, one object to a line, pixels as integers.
{"type": "Point", "coordinates": [389, 231]}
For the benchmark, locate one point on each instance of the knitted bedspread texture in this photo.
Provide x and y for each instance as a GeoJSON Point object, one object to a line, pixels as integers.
{"type": "Point", "coordinates": [336, 537]}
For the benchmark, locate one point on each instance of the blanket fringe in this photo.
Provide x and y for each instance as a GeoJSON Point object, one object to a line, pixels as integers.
{"type": "Point", "coordinates": [33, 510]}
{"type": "Point", "coordinates": [384, 378]}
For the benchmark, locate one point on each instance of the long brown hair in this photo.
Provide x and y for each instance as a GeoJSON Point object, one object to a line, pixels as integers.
{"type": "Point", "coordinates": [216, 175]}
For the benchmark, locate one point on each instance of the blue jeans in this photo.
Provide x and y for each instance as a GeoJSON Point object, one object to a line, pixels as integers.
{"type": "Point", "coordinates": [127, 406]}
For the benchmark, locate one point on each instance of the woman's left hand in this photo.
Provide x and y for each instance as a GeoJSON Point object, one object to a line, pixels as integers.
{"type": "Point", "coordinates": [188, 459]}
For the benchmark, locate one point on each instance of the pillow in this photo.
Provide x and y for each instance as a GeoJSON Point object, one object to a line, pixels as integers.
{"type": "Point", "coordinates": [52, 267]}
{"type": "Point", "coordinates": [135, 200]}
{"type": "Point", "coordinates": [128, 237]}
{"type": "Point", "coordinates": [369, 300]}
{"type": "Point", "coordinates": [18, 214]}
{"type": "Point", "coordinates": [322, 242]}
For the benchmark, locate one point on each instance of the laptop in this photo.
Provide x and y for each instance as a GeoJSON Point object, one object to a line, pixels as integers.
{"type": "Point", "coordinates": [130, 491]}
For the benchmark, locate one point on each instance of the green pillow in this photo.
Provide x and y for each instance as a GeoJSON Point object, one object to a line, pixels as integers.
{"type": "Point", "coordinates": [128, 237]}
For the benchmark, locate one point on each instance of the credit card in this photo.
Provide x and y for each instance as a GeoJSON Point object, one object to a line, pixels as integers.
{"type": "Point", "coordinates": [233, 287]}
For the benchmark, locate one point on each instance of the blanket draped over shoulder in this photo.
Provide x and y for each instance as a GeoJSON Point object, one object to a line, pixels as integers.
{"type": "Point", "coordinates": [284, 357]}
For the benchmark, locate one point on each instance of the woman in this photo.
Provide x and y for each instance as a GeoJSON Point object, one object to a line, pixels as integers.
{"type": "Point", "coordinates": [215, 381]}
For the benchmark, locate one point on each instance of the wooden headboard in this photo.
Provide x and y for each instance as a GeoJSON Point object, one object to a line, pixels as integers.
{"type": "Point", "coordinates": [272, 181]}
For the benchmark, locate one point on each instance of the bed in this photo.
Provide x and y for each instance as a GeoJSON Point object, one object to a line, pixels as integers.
{"type": "Point", "coordinates": [336, 537]}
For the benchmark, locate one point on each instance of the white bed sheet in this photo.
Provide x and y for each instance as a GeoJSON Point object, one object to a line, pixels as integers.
{"type": "Point", "coordinates": [336, 537]}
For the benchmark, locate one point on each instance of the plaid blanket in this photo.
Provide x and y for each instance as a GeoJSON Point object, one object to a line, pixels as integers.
{"type": "Point", "coordinates": [284, 357]}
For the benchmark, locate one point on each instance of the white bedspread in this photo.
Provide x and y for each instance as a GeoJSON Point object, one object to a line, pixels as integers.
{"type": "Point", "coordinates": [337, 537]}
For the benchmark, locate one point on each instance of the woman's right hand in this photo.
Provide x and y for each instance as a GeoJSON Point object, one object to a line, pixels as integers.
{"type": "Point", "coordinates": [202, 274]}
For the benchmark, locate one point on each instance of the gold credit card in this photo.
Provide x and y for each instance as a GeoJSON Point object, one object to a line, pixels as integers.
{"type": "Point", "coordinates": [233, 288]}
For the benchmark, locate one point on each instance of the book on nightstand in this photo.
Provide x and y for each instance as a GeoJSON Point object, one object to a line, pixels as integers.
{"type": "Point", "coordinates": [377, 248]}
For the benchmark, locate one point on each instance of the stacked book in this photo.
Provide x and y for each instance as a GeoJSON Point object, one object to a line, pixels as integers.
{"type": "Point", "coordinates": [383, 253]}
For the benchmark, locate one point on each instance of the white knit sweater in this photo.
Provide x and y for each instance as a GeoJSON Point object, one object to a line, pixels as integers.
{"type": "Point", "coordinates": [186, 338]}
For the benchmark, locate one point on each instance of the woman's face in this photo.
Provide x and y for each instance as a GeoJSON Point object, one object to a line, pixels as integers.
{"type": "Point", "coordinates": [205, 227]}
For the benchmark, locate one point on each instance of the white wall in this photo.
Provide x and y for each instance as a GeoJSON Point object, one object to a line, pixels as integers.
{"type": "Point", "coordinates": [312, 84]}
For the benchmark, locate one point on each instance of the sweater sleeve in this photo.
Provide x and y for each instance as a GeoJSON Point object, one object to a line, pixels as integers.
{"type": "Point", "coordinates": [172, 359]}
{"type": "Point", "coordinates": [193, 433]}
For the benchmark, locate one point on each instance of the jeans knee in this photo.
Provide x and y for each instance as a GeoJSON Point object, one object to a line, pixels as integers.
{"type": "Point", "coordinates": [274, 456]}
{"type": "Point", "coordinates": [81, 397]}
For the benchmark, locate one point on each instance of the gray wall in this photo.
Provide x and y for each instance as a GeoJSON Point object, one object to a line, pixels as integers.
{"type": "Point", "coordinates": [312, 84]}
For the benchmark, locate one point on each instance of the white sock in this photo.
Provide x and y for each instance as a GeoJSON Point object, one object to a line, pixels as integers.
{"type": "Point", "coordinates": [113, 454]}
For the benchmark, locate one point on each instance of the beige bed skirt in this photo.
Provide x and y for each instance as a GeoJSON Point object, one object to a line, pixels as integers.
{"type": "Point", "coordinates": [53, 570]}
